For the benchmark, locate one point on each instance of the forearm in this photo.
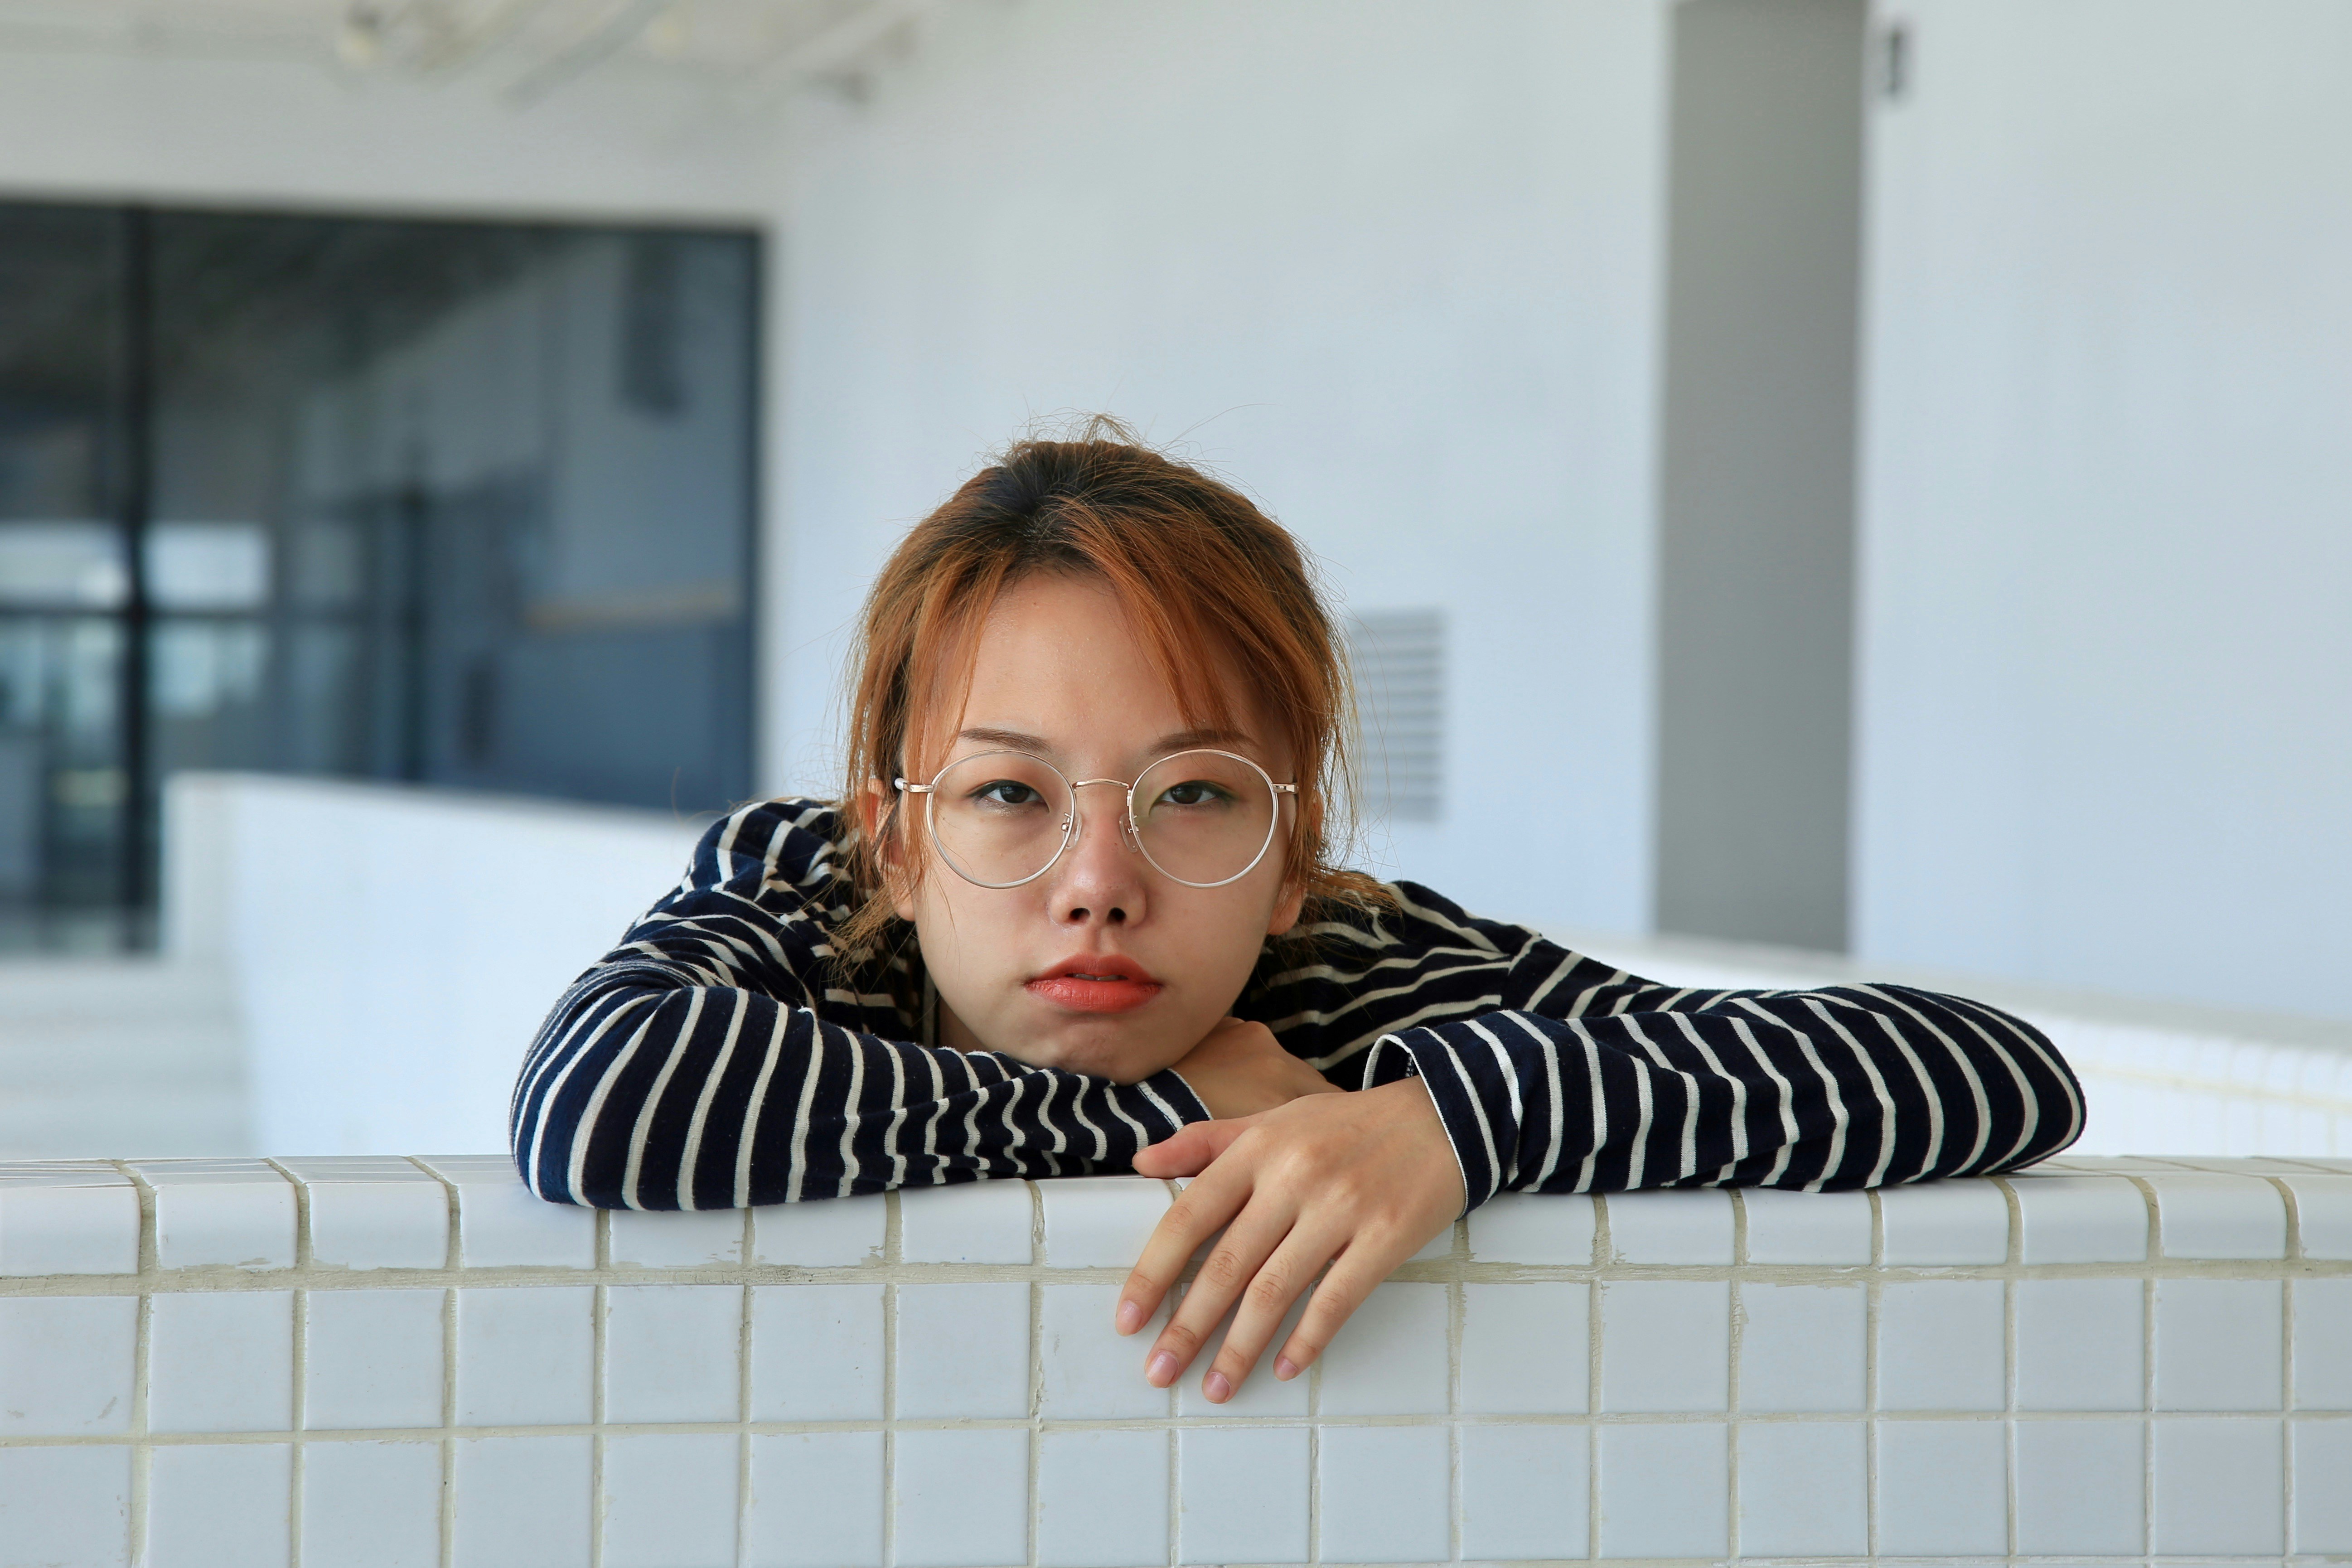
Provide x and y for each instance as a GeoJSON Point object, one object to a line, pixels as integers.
{"type": "Point", "coordinates": [1857, 1087]}
{"type": "Point", "coordinates": [644, 1093]}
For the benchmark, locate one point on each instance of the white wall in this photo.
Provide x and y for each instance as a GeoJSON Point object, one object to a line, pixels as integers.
{"type": "Point", "coordinates": [278, 132]}
{"type": "Point", "coordinates": [391, 951]}
{"type": "Point", "coordinates": [1391, 267]}
{"type": "Point", "coordinates": [2105, 720]}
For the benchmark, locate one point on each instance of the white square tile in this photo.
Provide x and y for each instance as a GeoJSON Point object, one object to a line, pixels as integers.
{"type": "Point", "coordinates": [221, 1361]}
{"type": "Point", "coordinates": [816, 1501]}
{"type": "Point", "coordinates": [817, 1352]}
{"type": "Point", "coordinates": [1802, 1488]}
{"type": "Point", "coordinates": [1665, 1344]}
{"type": "Point", "coordinates": [1386, 1493]}
{"type": "Point", "coordinates": [1930, 1224]}
{"type": "Point", "coordinates": [1942, 1345]}
{"type": "Point", "coordinates": [673, 1353]}
{"type": "Point", "coordinates": [973, 1221]}
{"type": "Point", "coordinates": [1664, 1491]}
{"type": "Point", "coordinates": [1804, 1347]}
{"type": "Point", "coordinates": [1100, 1222]}
{"type": "Point", "coordinates": [2323, 1487]}
{"type": "Point", "coordinates": [669, 1501]}
{"type": "Point", "coordinates": [66, 1364]}
{"type": "Point", "coordinates": [833, 1234]}
{"type": "Point", "coordinates": [2080, 1345]}
{"type": "Point", "coordinates": [2323, 1214]}
{"type": "Point", "coordinates": [1102, 1499]}
{"type": "Point", "coordinates": [522, 1502]}
{"type": "Point", "coordinates": [676, 1238]}
{"type": "Point", "coordinates": [224, 1506]}
{"type": "Point", "coordinates": [1241, 1494]}
{"type": "Point", "coordinates": [2080, 1219]}
{"type": "Point", "coordinates": [1389, 1358]}
{"type": "Point", "coordinates": [526, 1356]}
{"type": "Point", "coordinates": [1533, 1227]}
{"type": "Point", "coordinates": [2220, 1345]}
{"type": "Point", "coordinates": [962, 1499]}
{"type": "Point", "coordinates": [502, 1224]}
{"type": "Point", "coordinates": [1526, 1492]}
{"type": "Point", "coordinates": [1526, 1349]}
{"type": "Point", "coordinates": [238, 1211]}
{"type": "Point", "coordinates": [1786, 1226]}
{"type": "Point", "coordinates": [373, 1214]}
{"type": "Point", "coordinates": [2079, 1488]}
{"type": "Point", "coordinates": [66, 1505]}
{"type": "Point", "coordinates": [2219, 1487]}
{"type": "Point", "coordinates": [1671, 1225]}
{"type": "Point", "coordinates": [2200, 1214]}
{"type": "Point", "coordinates": [1263, 1394]}
{"type": "Point", "coordinates": [1943, 1488]}
{"type": "Point", "coordinates": [371, 1505]}
{"type": "Point", "coordinates": [2323, 1344]}
{"type": "Point", "coordinates": [1091, 1372]}
{"type": "Point", "coordinates": [75, 1228]}
{"type": "Point", "coordinates": [963, 1349]}
{"type": "Point", "coordinates": [372, 1360]}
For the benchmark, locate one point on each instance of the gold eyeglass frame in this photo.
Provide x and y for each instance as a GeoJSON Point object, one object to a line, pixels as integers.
{"type": "Point", "coordinates": [1074, 824]}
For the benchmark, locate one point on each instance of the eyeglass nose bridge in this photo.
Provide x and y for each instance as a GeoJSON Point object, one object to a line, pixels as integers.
{"type": "Point", "coordinates": [1075, 827]}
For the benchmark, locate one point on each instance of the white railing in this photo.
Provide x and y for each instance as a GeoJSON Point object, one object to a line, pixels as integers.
{"type": "Point", "coordinates": [392, 1362]}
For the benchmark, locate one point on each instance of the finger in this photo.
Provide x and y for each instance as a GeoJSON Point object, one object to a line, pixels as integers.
{"type": "Point", "coordinates": [1280, 1280]}
{"type": "Point", "coordinates": [1343, 1290]}
{"type": "Point", "coordinates": [1200, 1211]}
{"type": "Point", "coordinates": [1187, 1152]}
{"type": "Point", "coordinates": [1248, 1241]}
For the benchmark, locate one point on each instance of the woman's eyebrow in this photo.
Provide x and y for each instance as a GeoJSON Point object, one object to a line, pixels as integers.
{"type": "Point", "coordinates": [1181, 740]}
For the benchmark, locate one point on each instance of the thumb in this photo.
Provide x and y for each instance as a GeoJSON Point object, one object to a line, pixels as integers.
{"type": "Point", "coordinates": [1189, 1151]}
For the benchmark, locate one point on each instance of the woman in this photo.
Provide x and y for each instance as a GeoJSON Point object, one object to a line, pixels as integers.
{"type": "Point", "coordinates": [1076, 909]}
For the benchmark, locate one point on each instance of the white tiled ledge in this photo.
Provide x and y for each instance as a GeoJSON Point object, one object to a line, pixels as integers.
{"type": "Point", "coordinates": [394, 1362]}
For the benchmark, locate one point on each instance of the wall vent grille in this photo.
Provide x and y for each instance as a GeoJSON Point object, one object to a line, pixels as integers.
{"type": "Point", "coordinates": [1399, 670]}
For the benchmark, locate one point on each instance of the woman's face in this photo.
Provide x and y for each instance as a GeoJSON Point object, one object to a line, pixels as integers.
{"type": "Point", "coordinates": [1058, 672]}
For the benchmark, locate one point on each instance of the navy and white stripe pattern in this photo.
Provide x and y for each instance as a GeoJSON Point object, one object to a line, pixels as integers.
{"type": "Point", "coordinates": [715, 1059]}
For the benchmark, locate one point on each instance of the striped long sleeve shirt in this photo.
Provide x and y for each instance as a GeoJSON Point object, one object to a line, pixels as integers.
{"type": "Point", "coordinates": [719, 1056]}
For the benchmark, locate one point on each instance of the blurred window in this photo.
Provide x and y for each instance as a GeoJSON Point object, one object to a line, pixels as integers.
{"type": "Point", "coordinates": [464, 504]}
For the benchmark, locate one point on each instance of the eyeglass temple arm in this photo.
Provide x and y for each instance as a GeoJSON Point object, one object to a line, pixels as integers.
{"type": "Point", "coordinates": [926, 789]}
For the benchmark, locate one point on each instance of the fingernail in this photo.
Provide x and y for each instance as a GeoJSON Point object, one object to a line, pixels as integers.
{"type": "Point", "coordinates": [1161, 1370]}
{"type": "Point", "coordinates": [1130, 1317]}
{"type": "Point", "coordinates": [1216, 1387]}
{"type": "Point", "coordinates": [1284, 1368]}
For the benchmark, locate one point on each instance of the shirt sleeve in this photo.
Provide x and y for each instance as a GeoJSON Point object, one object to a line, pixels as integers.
{"type": "Point", "coordinates": [1554, 1072]}
{"type": "Point", "coordinates": [713, 1060]}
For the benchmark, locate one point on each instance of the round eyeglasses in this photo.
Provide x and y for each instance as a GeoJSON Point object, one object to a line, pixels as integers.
{"type": "Point", "coordinates": [1001, 819]}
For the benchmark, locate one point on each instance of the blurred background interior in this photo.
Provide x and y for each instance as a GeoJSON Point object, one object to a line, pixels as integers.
{"type": "Point", "coordinates": [1818, 488]}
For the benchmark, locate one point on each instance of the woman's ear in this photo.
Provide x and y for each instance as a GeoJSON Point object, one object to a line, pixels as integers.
{"type": "Point", "coordinates": [889, 847]}
{"type": "Point", "coordinates": [1286, 910]}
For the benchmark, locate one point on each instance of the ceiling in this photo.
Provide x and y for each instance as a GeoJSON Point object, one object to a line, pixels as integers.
{"type": "Point", "coordinates": [524, 49]}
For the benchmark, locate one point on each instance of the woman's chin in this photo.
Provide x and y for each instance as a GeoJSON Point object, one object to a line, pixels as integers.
{"type": "Point", "coordinates": [1100, 1048]}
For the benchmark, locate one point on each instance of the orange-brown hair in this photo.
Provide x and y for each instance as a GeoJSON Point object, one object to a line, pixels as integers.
{"type": "Point", "coordinates": [1200, 571]}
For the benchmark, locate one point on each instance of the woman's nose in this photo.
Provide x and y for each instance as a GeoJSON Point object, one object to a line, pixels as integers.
{"type": "Point", "coordinates": [1100, 879]}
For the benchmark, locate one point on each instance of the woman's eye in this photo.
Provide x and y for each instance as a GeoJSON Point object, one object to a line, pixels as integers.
{"type": "Point", "coordinates": [1006, 792]}
{"type": "Point", "coordinates": [1192, 792]}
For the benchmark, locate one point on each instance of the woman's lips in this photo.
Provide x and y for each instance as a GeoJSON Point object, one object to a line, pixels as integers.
{"type": "Point", "coordinates": [1093, 994]}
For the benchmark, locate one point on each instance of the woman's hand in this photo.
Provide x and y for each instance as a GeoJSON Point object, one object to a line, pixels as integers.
{"type": "Point", "coordinates": [1240, 1070]}
{"type": "Point", "coordinates": [1364, 1178]}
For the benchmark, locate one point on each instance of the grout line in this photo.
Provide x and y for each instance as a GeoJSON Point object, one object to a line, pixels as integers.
{"type": "Point", "coordinates": [1870, 1301]}
{"type": "Point", "coordinates": [1603, 1246]}
{"type": "Point", "coordinates": [1036, 1516]}
{"type": "Point", "coordinates": [1457, 1313]}
{"type": "Point", "coordinates": [893, 1254]}
{"type": "Point", "coordinates": [600, 1361]}
{"type": "Point", "coordinates": [142, 1358]}
{"type": "Point", "coordinates": [743, 1416]}
{"type": "Point", "coordinates": [298, 1396]}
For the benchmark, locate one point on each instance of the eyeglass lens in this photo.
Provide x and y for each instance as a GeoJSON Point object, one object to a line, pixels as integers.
{"type": "Point", "coordinates": [1202, 817]}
